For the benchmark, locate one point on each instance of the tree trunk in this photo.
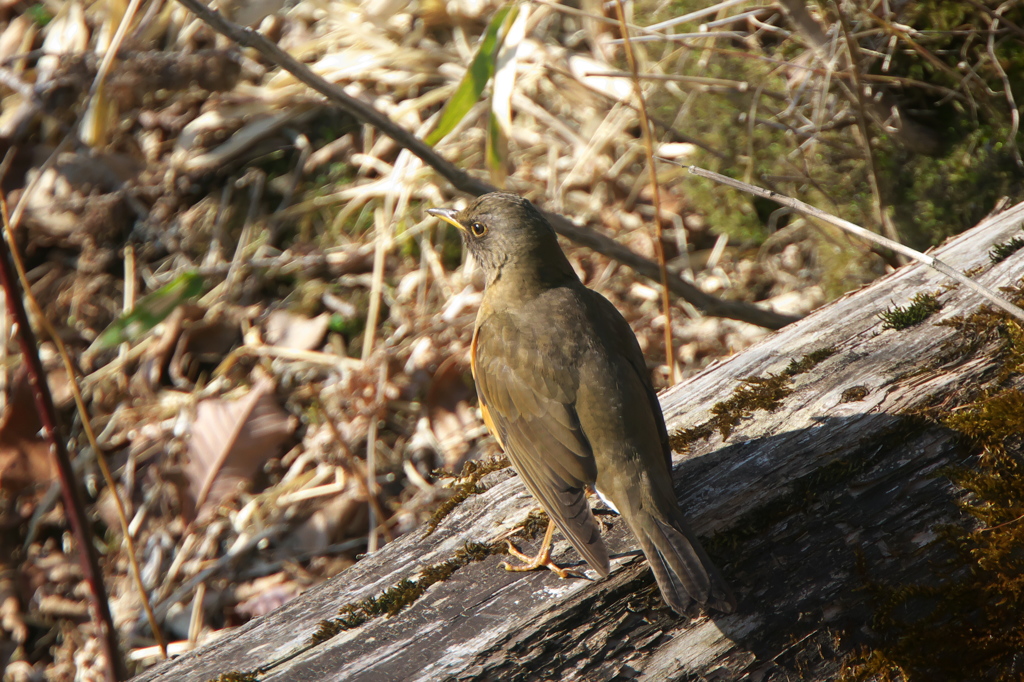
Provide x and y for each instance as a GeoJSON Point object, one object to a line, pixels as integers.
{"type": "Point", "coordinates": [824, 484]}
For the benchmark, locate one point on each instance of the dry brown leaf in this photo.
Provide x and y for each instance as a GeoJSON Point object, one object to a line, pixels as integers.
{"type": "Point", "coordinates": [25, 458]}
{"type": "Point", "coordinates": [231, 439]}
{"type": "Point", "coordinates": [289, 330]}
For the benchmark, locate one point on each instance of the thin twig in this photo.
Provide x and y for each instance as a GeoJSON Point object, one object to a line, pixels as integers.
{"type": "Point", "coordinates": [99, 607]}
{"type": "Point", "coordinates": [853, 51]}
{"type": "Point", "coordinates": [1011, 136]}
{"type": "Point", "coordinates": [870, 236]}
{"type": "Point", "coordinates": [83, 415]}
{"type": "Point", "coordinates": [381, 234]}
{"type": "Point", "coordinates": [652, 169]}
{"type": "Point", "coordinates": [94, 104]}
{"type": "Point", "coordinates": [993, 13]}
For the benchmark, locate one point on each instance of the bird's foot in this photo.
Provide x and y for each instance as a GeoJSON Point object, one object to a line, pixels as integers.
{"type": "Point", "coordinates": [532, 563]}
{"type": "Point", "coordinates": [542, 559]}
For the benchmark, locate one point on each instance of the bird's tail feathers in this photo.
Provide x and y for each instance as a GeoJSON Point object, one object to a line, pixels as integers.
{"type": "Point", "coordinates": [683, 570]}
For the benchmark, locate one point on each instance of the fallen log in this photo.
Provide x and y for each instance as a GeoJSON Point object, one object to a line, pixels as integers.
{"type": "Point", "coordinates": [812, 465]}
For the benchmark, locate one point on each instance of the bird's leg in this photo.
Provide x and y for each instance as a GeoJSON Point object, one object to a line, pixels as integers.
{"type": "Point", "coordinates": [543, 557]}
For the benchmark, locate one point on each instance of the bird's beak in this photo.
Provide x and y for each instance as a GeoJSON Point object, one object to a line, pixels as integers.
{"type": "Point", "coordinates": [447, 215]}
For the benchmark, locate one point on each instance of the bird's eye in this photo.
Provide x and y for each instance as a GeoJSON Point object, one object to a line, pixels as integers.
{"type": "Point", "coordinates": [478, 229]}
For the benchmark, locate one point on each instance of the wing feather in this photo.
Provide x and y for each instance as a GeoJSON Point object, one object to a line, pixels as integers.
{"type": "Point", "coordinates": [530, 411]}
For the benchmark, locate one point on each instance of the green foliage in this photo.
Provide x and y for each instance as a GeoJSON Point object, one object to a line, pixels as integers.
{"type": "Point", "coordinates": [921, 307]}
{"type": "Point", "coordinates": [932, 185]}
{"type": "Point", "coordinates": [1000, 252]}
{"type": "Point", "coordinates": [151, 310]}
{"type": "Point", "coordinates": [934, 197]}
{"type": "Point", "coordinates": [39, 14]}
{"type": "Point", "coordinates": [477, 76]}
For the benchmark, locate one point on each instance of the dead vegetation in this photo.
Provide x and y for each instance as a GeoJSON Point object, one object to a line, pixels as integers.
{"type": "Point", "coordinates": [272, 335]}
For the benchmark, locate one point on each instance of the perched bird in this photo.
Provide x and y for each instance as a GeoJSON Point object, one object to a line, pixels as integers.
{"type": "Point", "coordinates": [564, 389]}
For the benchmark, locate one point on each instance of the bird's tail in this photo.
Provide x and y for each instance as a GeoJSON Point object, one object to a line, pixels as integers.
{"type": "Point", "coordinates": [682, 568]}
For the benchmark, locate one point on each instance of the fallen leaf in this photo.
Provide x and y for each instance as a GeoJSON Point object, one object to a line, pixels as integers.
{"type": "Point", "coordinates": [231, 439]}
{"type": "Point", "coordinates": [290, 330]}
{"type": "Point", "coordinates": [25, 458]}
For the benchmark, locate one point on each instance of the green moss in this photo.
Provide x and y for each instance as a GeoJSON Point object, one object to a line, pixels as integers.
{"type": "Point", "coordinates": [808, 361]}
{"type": "Point", "coordinates": [854, 394]}
{"type": "Point", "coordinates": [394, 599]}
{"type": "Point", "coordinates": [921, 307]}
{"type": "Point", "coordinates": [990, 422]}
{"type": "Point", "coordinates": [754, 393]}
{"type": "Point", "coordinates": [326, 630]}
{"type": "Point", "coordinates": [1000, 252]}
{"type": "Point", "coordinates": [967, 624]}
{"type": "Point", "coordinates": [536, 522]}
{"type": "Point", "coordinates": [467, 486]}
{"type": "Point", "coordinates": [236, 677]}
{"type": "Point", "coordinates": [983, 327]}
{"type": "Point", "coordinates": [963, 621]}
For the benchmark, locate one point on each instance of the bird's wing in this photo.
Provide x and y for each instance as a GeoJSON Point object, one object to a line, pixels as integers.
{"type": "Point", "coordinates": [624, 344]}
{"type": "Point", "coordinates": [528, 406]}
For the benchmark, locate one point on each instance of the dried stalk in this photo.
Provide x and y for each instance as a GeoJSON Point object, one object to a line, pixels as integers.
{"type": "Point", "coordinates": [859, 231]}
{"type": "Point", "coordinates": [659, 247]}
{"type": "Point", "coordinates": [853, 52]}
{"type": "Point", "coordinates": [99, 607]}
{"type": "Point", "coordinates": [90, 434]}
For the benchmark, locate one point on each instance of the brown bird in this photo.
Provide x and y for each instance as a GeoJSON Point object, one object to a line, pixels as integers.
{"type": "Point", "coordinates": [564, 389]}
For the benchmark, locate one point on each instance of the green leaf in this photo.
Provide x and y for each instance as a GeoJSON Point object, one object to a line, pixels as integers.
{"type": "Point", "coordinates": [496, 151]}
{"type": "Point", "coordinates": [479, 72]}
{"type": "Point", "coordinates": [151, 310]}
{"type": "Point", "coordinates": [39, 14]}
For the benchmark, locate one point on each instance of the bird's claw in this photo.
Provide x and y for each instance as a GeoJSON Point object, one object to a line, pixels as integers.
{"type": "Point", "coordinates": [532, 563]}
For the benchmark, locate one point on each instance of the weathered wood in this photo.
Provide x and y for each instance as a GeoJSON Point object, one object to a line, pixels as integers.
{"type": "Point", "coordinates": [790, 502]}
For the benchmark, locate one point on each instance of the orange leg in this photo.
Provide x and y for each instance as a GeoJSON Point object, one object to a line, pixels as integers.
{"type": "Point", "coordinates": [543, 558]}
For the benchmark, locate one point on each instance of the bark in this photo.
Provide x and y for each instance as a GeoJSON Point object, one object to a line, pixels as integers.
{"type": "Point", "coordinates": [801, 505]}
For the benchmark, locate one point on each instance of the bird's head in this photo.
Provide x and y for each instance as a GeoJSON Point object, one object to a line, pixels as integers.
{"type": "Point", "coordinates": [502, 229]}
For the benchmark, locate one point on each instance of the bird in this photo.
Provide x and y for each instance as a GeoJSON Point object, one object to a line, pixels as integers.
{"type": "Point", "coordinates": [564, 389]}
